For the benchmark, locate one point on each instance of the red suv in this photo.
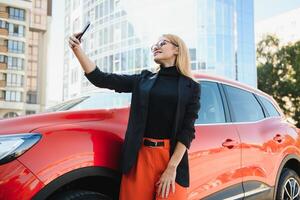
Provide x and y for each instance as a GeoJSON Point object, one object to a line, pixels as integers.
{"type": "Point", "coordinates": [244, 147]}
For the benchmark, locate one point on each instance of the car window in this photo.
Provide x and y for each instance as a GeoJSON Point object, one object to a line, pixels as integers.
{"type": "Point", "coordinates": [104, 101]}
{"type": "Point", "coordinates": [211, 110]}
{"type": "Point", "coordinates": [100, 100]}
{"type": "Point", "coordinates": [269, 106]}
{"type": "Point", "coordinates": [244, 106]}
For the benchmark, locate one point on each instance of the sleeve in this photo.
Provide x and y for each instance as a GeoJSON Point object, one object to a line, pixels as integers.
{"type": "Point", "coordinates": [187, 132]}
{"type": "Point", "coordinates": [113, 81]}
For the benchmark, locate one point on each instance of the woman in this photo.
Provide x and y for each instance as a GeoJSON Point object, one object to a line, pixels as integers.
{"type": "Point", "coordinates": [164, 107]}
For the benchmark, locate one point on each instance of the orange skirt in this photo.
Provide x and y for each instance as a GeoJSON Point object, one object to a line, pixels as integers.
{"type": "Point", "coordinates": [139, 182]}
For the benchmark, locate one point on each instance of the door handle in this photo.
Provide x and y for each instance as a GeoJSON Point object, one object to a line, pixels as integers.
{"type": "Point", "coordinates": [229, 143]}
{"type": "Point", "coordinates": [278, 138]}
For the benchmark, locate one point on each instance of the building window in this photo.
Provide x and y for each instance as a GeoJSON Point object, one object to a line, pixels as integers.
{"type": "Point", "coordinates": [16, 30]}
{"type": "Point", "coordinates": [192, 54]}
{"type": "Point", "coordinates": [13, 96]}
{"type": "Point", "coordinates": [130, 30]}
{"type": "Point", "coordinates": [124, 30]}
{"type": "Point", "coordinates": [15, 46]}
{"type": "Point", "coordinates": [30, 112]}
{"type": "Point", "coordinates": [2, 94]}
{"type": "Point", "coordinates": [16, 13]}
{"type": "Point", "coordinates": [3, 24]}
{"type": "Point", "coordinates": [123, 61]}
{"type": "Point", "coordinates": [138, 58]}
{"type": "Point", "coordinates": [15, 80]}
{"type": "Point", "coordinates": [3, 59]}
{"type": "Point", "coordinates": [21, 30]}
{"type": "Point", "coordinates": [105, 35]}
{"type": "Point", "coordinates": [194, 66]}
{"type": "Point", "coordinates": [15, 63]}
{"type": "Point", "coordinates": [10, 115]}
{"type": "Point", "coordinates": [31, 97]}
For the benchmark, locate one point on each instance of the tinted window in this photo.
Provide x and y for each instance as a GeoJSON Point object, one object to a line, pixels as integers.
{"type": "Point", "coordinates": [244, 105]}
{"type": "Point", "coordinates": [211, 110]}
{"type": "Point", "coordinates": [269, 106]}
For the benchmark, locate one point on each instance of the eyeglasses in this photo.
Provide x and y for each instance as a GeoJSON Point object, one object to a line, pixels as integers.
{"type": "Point", "coordinates": [161, 43]}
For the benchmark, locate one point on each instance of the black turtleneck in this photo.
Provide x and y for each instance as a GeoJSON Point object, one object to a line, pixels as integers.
{"type": "Point", "coordinates": [162, 104]}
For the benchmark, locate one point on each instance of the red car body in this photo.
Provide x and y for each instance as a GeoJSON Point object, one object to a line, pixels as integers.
{"type": "Point", "coordinates": [80, 150]}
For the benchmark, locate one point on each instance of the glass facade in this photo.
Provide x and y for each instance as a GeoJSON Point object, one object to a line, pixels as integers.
{"type": "Point", "coordinates": [219, 34]}
{"type": "Point", "coordinates": [225, 30]}
{"type": "Point", "coordinates": [112, 42]}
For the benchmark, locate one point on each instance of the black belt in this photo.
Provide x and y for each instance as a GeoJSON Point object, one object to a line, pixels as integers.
{"type": "Point", "coordinates": [153, 143]}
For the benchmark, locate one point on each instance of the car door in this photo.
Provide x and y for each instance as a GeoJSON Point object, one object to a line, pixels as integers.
{"type": "Point", "coordinates": [215, 155]}
{"type": "Point", "coordinates": [261, 140]}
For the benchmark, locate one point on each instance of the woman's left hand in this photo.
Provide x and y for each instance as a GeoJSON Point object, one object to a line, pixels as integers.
{"type": "Point", "coordinates": [166, 181]}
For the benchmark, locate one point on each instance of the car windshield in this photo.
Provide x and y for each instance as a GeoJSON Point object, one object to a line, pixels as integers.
{"type": "Point", "coordinates": [98, 100]}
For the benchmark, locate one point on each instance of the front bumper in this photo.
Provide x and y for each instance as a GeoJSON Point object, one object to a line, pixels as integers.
{"type": "Point", "coordinates": [17, 182]}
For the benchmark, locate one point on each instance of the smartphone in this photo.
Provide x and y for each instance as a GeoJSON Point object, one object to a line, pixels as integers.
{"type": "Point", "coordinates": [83, 31]}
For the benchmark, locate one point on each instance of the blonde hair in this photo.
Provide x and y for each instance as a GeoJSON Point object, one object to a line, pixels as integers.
{"type": "Point", "coordinates": [182, 60]}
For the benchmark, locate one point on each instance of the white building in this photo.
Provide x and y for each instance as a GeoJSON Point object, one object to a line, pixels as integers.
{"type": "Point", "coordinates": [285, 26]}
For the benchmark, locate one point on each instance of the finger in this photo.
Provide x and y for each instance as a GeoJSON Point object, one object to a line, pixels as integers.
{"type": "Point", "coordinates": [173, 186]}
{"type": "Point", "coordinates": [72, 43]}
{"type": "Point", "coordinates": [77, 41]}
{"type": "Point", "coordinates": [159, 189]}
{"type": "Point", "coordinates": [167, 189]}
{"type": "Point", "coordinates": [76, 34]}
{"type": "Point", "coordinates": [163, 190]}
{"type": "Point", "coordinates": [74, 39]}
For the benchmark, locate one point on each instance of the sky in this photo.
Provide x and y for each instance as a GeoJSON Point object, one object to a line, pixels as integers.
{"type": "Point", "coordinates": [267, 8]}
{"type": "Point", "coordinates": [262, 9]}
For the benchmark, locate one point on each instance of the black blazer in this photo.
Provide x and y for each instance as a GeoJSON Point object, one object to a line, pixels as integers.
{"type": "Point", "coordinates": [140, 85]}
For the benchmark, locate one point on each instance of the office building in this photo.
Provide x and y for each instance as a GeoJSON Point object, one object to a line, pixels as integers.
{"type": "Point", "coordinates": [219, 34]}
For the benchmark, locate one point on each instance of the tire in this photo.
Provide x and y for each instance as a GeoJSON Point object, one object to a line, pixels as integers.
{"type": "Point", "coordinates": [80, 195]}
{"type": "Point", "coordinates": [289, 184]}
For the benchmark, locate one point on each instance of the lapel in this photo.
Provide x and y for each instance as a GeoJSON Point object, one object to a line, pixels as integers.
{"type": "Point", "coordinates": [184, 87]}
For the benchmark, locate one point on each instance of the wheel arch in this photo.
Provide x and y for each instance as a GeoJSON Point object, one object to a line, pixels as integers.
{"type": "Point", "coordinates": [111, 177]}
{"type": "Point", "coordinates": [291, 161]}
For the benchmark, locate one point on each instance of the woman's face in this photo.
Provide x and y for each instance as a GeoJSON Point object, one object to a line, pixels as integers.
{"type": "Point", "coordinates": [164, 51]}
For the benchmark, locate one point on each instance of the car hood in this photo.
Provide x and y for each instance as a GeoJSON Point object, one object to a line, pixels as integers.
{"type": "Point", "coordinates": [25, 124]}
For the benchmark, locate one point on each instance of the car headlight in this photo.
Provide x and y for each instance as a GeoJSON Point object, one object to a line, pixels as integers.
{"type": "Point", "coordinates": [12, 146]}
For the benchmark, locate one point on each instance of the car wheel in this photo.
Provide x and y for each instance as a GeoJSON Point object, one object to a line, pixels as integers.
{"type": "Point", "coordinates": [80, 195]}
{"type": "Point", "coordinates": [288, 185]}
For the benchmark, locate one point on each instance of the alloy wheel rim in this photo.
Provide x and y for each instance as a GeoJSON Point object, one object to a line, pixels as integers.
{"type": "Point", "coordinates": [291, 190]}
